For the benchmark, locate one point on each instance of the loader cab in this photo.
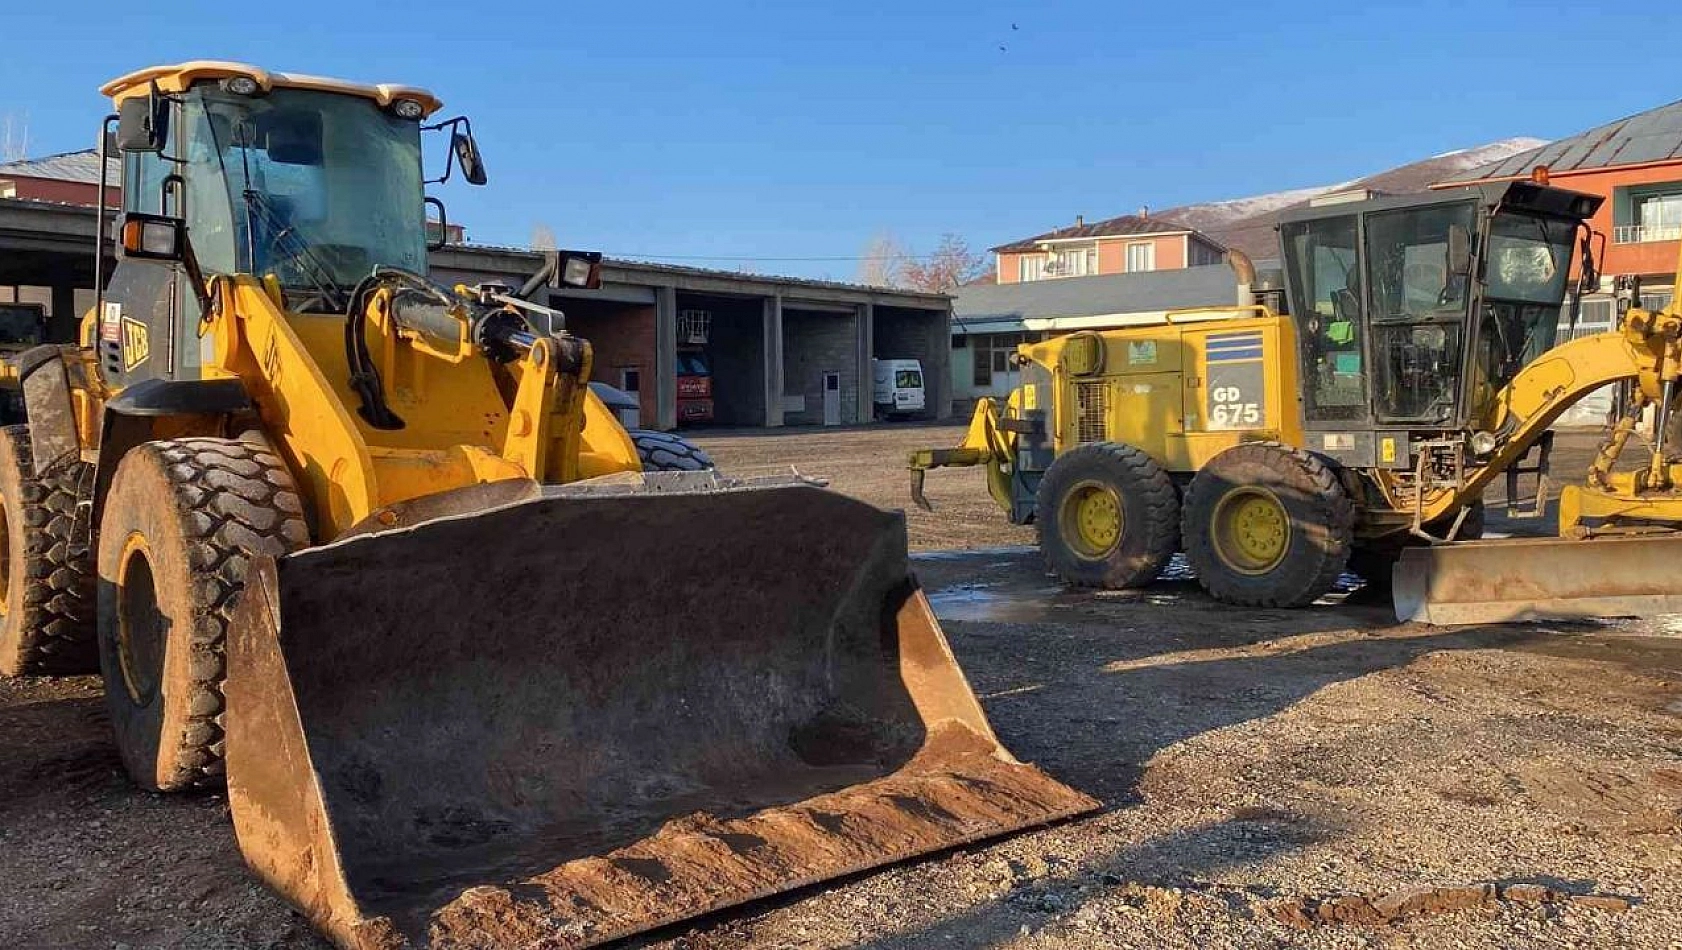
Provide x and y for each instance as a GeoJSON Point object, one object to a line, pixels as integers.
{"type": "Point", "coordinates": [307, 184]}
{"type": "Point", "coordinates": [1413, 312]}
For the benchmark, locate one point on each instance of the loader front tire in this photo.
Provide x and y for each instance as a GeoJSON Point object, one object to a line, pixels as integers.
{"type": "Point", "coordinates": [665, 452]}
{"type": "Point", "coordinates": [181, 523]}
{"type": "Point", "coordinates": [1267, 525]}
{"type": "Point", "coordinates": [1108, 516]}
{"type": "Point", "coordinates": [46, 565]}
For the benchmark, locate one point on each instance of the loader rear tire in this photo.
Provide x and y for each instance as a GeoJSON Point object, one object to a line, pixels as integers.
{"type": "Point", "coordinates": [181, 523]}
{"type": "Point", "coordinates": [665, 452]}
{"type": "Point", "coordinates": [1267, 525]}
{"type": "Point", "coordinates": [46, 564]}
{"type": "Point", "coordinates": [1108, 516]}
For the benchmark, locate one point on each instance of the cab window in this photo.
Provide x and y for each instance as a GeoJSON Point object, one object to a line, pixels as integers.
{"type": "Point", "coordinates": [1326, 299]}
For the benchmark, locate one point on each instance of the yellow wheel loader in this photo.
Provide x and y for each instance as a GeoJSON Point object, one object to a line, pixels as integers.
{"type": "Point", "coordinates": [371, 550]}
{"type": "Point", "coordinates": [1351, 413]}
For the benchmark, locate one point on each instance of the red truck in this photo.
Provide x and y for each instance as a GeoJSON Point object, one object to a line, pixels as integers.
{"type": "Point", "coordinates": [694, 389]}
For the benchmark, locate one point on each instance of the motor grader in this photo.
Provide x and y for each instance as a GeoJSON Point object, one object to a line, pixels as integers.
{"type": "Point", "coordinates": [1353, 417]}
{"type": "Point", "coordinates": [370, 549]}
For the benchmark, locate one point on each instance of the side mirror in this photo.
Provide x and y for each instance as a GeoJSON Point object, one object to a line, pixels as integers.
{"type": "Point", "coordinates": [143, 124]}
{"type": "Point", "coordinates": [467, 155]}
{"type": "Point", "coordinates": [1459, 251]}
{"type": "Point", "coordinates": [153, 237]}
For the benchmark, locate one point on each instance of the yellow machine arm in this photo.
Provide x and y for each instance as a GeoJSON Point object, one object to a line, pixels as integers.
{"type": "Point", "coordinates": [1645, 350]}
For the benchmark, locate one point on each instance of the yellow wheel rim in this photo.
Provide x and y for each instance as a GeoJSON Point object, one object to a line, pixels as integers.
{"type": "Point", "coordinates": [1251, 530]}
{"type": "Point", "coordinates": [1091, 519]}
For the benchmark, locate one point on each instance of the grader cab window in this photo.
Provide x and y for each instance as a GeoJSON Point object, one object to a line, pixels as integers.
{"type": "Point", "coordinates": [1326, 294]}
{"type": "Point", "coordinates": [1528, 261]}
{"type": "Point", "coordinates": [1420, 287]}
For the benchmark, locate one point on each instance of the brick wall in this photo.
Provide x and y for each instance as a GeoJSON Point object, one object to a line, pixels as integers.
{"type": "Point", "coordinates": [814, 343]}
{"type": "Point", "coordinates": [619, 340]}
{"type": "Point", "coordinates": [64, 192]}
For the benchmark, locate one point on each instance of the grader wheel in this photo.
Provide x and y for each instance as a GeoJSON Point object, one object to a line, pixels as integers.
{"type": "Point", "coordinates": [1267, 525]}
{"type": "Point", "coordinates": [182, 521]}
{"type": "Point", "coordinates": [46, 568]}
{"type": "Point", "coordinates": [1108, 516]}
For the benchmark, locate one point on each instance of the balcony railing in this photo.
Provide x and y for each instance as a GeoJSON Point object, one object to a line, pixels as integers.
{"type": "Point", "coordinates": [1645, 233]}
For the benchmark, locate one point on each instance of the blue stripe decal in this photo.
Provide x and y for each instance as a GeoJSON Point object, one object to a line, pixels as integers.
{"type": "Point", "coordinates": [1234, 356]}
{"type": "Point", "coordinates": [1218, 343]}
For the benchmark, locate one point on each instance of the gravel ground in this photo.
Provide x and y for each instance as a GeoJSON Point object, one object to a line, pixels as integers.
{"type": "Point", "coordinates": [1313, 778]}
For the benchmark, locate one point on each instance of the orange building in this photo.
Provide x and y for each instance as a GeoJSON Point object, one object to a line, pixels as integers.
{"type": "Point", "coordinates": [1129, 244]}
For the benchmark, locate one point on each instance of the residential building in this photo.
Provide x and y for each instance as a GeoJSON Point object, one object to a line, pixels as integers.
{"type": "Point", "coordinates": [990, 320]}
{"type": "Point", "coordinates": [1129, 244]}
{"type": "Point", "coordinates": [1635, 163]}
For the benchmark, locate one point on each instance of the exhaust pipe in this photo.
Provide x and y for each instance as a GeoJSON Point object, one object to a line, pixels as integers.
{"type": "Point", "coordinates": [1245, 269]}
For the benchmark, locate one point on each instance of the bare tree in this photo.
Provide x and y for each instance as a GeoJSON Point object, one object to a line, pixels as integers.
{"type": "Point", "coordinates": [951, 265]}
{"type": "Point", "coordinates": [884, 261]}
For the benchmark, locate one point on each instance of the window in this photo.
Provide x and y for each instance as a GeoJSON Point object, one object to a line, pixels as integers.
{"type": "Point", "coordinates": [1325, 298]}
{"type": "Point", "coordinates": [1201, 254]}
{"type": "Point", "coordinates": [8, 189]}
{"type": "Point", "coordinates": [1645, 213]}
{"type": "Point", "coordinates": [630, 379]}
{"type": "Point", "coordinates": [1141, 256]}
{"type": "Point", "coordinates": [992, 355]}
{"type": "Point", "coordinates": [908, 379]}
{"type": "Point", "coordinates": [1059, 261]}
{"type": "Point", "coordinates": [1418, 308]}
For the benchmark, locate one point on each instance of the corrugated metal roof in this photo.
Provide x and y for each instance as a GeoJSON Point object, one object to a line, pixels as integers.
{"type": "Point", "coordinates": [80, 166]}
{"type": "Point", "coordinates": [1651, 136]}
{"type": "Point", "coordinates": [1127, 224]}
{"type": "Point", "coordinates": [986, 308]}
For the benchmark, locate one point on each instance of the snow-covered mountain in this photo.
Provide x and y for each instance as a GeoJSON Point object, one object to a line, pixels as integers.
{"type": "Point", "coordinates": [1247, 223]}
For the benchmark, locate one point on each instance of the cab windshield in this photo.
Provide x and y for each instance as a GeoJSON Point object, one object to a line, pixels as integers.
{"type": "Point", "coordinates": [314, 188]}
{"type": "Point", "coordinates": [1525, 270]}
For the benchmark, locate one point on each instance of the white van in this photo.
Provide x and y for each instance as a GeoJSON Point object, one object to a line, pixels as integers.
{"type": "Point", "coordinates": [898, 387]}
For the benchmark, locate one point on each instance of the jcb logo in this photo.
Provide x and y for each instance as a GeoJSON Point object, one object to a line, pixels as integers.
{"type": "Point", "coordinates": [136, 345]}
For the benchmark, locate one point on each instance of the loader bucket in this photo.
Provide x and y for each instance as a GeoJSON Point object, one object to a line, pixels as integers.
{"type": "Point", "coordinates": [565, 720]}
{"type": "Point", "coordinates": [1538, 579]}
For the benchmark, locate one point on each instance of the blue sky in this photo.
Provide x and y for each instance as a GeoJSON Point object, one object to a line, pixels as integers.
{"type": "Point", "coordinates": [742, 135]}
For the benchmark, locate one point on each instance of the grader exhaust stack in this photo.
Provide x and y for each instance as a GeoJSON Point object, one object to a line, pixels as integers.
{"type": "Point", "coordinates": [566, 720]}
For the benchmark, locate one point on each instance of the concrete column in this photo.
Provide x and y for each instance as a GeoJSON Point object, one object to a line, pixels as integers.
{"type": "Point", "coordinates": [774, 361]}
{"type": "Point", "coordinates": [665, 358]}
{"type": "Point", "coordinates": [937, 377]}
{"type": "Point", "coordinates": [866, 319]}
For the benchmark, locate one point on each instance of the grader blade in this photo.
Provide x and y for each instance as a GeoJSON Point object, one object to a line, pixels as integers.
{"type": "Point", "coordinates": [566, 720]}
{"type": "Point", "coordinates": [1538, 579]}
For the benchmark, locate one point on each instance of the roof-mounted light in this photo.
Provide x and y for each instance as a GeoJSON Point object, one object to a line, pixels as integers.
{"type": "Point", "coordinates": [241, 85]}
{"type": "Point", "coordinates": [408, 109]}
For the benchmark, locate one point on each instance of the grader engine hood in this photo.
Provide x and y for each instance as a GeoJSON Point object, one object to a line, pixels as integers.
{"type": "Point", "coordinates": [535, 726]}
